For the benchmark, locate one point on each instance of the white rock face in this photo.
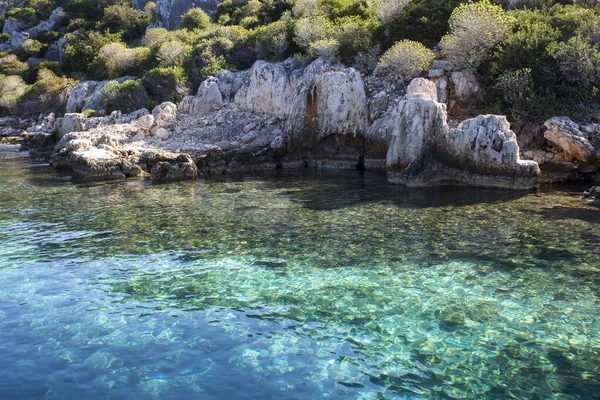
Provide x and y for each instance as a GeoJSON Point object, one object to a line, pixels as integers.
{"type": "Point", "coordinates": [482, 152]}
{"type": "Point", "coordinates": [208, 99]}
{"type": "Point", "coordinates": [424, 87]}
{"type": "Point", "coordinates": [565, 133]}
{"type": "Point", "coordinates": [160, 133]}
{"type": "Point", "coordinates": [164, 113]}
{"type": "Point", "coordinates": [327, 102]}
{"type": "Point", "coordinates": [267, 89]}
{"type": "Point", "coordinates": [71, 122]}
{"type": "Point", "coordinates": [79, 95]}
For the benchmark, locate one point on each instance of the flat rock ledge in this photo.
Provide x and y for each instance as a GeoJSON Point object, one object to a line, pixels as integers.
{"type": "Point", "coordinates": [278, 116]}
{"type": "Point", "coordinates": [96, 155]}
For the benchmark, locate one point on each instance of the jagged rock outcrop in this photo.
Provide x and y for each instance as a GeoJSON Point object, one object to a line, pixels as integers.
{"type": "Point", "coordinates": [267, 89]}
{"type": "Point", "coordinates": [208, 99]}
{"type": "Point", "coordinates": [275, 116]}
{"type": "Point", "coordinates": [423, 151]}
{"type": "Point", "coordinates": [327, 119]}
{"type": "Point", "coordinates": [55, 50]}
{"type": "Point", "coordinates": [12, 26]}
{"type": "Point", "coordinates": [565, 133]}
{"type": "Point", "coordinates": [87, 95]}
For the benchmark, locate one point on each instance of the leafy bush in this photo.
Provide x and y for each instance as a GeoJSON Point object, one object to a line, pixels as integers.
{"type": "Point", "coordinates": [355, 36]}
{"type": "Point", "coordinates": [11, 90]}
{"type": "Point", "coordinates": [33, 47]}
{"type": "Point", "coordinates": [165, 84]}
{"type": "Point", "coordinates": [405, 60]}
{"type": "Point", "coordinates": [195, 18]}
{"type": "Point", "coordinates": [475, 28]}
{"type": "Point", "coordinates": [10, 65]}
{"type": "Point", "coordinates": [387, 10]}
{"type": "Point", "coordinates": [48, 94]}
{"type": "Point", "coordinates": [327, 48]}
{"type": "Point", "coordinates": [155, 37]}
{"type": "Point", "coordinates": [425, 21]}
{"type": "Point", "coordinates": [116, 60]}
{"type": "Point", "coordinates": [126, 97]}
{"type": "Point", "coordinates": [312, 29]}
{"type": "Point", "coordinates": [81, 50]}
{"type": "Point", "coordinates": [271, 41]}
{"type": "Point", "coordinates": [172, 54]}
{"type": "Point", "coordinates": [578, 62]}
{"type": "Point", "coordinates": [121, 18]}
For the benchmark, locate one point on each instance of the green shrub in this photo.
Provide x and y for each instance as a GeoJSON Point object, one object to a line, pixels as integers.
{"type": "Point", "coordinates": [387, 10]}
{"type": "Point", "coordinates": [405, 60]}
{"type": "Point", "coordinates": [126, 97]}
{"type": "Point", "coordinates": [116, 60]}
{"type": "Point", "coordinates": [48, 94]}
{"type": "Point", "coordinates": [81, 50]}
{"type": "Point", "coordinates": [11, 90]}
{"type": "Point", "coordinates": [271, 41]}
{"type": "Point", "coordinates": [578, 62]}
{"type": "Point", "coordinates": [121, 18]}
{"type": "Point", "coordinates": [172, 53]}
{"type": "Point", "coordinates": [355, 36]}
{"type": "Point", "coordinates": [425, 21]}
{"type": "Point", "coordinates": [475, 28]}
{"type": "Point", "coordinates": [10, 65]}
{"type": "Point", "coordinates": [165, 84]}
{"type": "Point", "coordinates": [33, 47]}
{"type": "Point", "coordinates": [195, 18]}
{"type": "Point", "coordinates": [329, 49]}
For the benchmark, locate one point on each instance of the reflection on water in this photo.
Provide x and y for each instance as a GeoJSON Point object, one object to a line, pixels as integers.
{"type": "Point", "coordinates": [294, 285]}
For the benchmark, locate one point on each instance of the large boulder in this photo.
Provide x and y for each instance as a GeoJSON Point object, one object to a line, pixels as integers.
{"type": "Point", "coordinates": [164, 113]}
{"type": "Point", "coordinates": [565, 134]}
{"type": "Point", "coordinates": [267, 89]}
{"type": "Point", "coordinates": [55, 50]}
{"type": "Point", "coordinates": [423, 86]}
{"type": "Point", "coordinates": [230, 83]}
{"type": "Point", "coordinates": [207, 100]}
{"type": "Point", "coordinates": [466, 86]}
{"type": "Point", "coordinates": [71, 122]}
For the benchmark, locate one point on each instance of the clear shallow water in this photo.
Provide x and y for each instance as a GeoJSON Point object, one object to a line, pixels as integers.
{"type": "Point", "coordinates": [294, 285]}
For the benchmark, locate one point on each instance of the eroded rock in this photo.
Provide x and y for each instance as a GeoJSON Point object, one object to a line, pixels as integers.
{"type": "Point", "coordinates": [565, 133]}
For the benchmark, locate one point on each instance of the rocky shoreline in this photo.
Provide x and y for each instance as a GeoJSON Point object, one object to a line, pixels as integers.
{"type": "Point", "coordinates": [277, 115]}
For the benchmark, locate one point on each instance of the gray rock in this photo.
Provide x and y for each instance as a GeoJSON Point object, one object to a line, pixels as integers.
{"type": "Point", "coordinates": [207, 100]}
{"type": "Point", "coordinates": [565, 133]}
{"type": "Point", "coordinates": [71, 122]}
{"type": "Point", "coordinates": [442, 64]}
{"type": "Point", "coordinates": [267, 89]}
{"type": "Point", "coordinates": [12, 26]}
{"type": "Point", "coordinates": [230, 83]}
{"type": "Point", "coordinates": [80, 94]}
{"type": "Point", "coordinates": [423, 87]}
{"type": "Point", "coordinates": [436, 73]}
{"type": "Point", "coordinates": [164, 113]}
{"type": "Point", "coordinates": [146, 122]}
{"type": "Point", "coordinates": [466, 86]}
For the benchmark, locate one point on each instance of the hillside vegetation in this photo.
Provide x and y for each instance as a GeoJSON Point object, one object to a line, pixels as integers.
{"type": "Point", "coordinates": [540, 58]}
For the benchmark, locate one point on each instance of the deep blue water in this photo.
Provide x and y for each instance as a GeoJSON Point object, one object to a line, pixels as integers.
{"type": "Point", "coordinates": [293, 285]}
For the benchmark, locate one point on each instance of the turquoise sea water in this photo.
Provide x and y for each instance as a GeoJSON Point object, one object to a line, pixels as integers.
{"type": "Point", "coordinates": [294, 285]}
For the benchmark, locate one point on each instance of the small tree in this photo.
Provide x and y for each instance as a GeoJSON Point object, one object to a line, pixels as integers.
{"type": "Point", "coordinates": [405, 60]}
{"type": "Point", "coordinates": [172, 53]}
{"type": "Point", "coordinates": [474, 29]}
{"type": "Point", "coordinates": [195, 18]}
{"type": "Point", "coordinates": [387, 10]}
